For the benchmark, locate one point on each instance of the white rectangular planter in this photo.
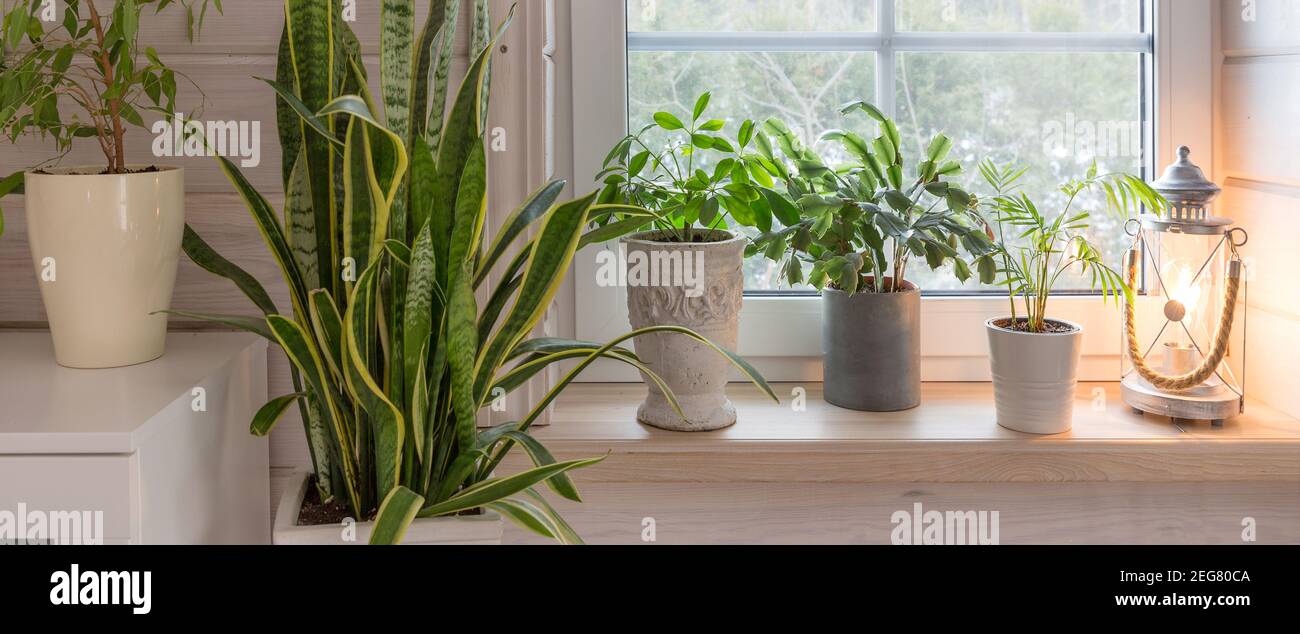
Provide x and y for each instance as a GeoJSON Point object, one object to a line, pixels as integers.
{"type": "Point", "coordinates": [482, 529]}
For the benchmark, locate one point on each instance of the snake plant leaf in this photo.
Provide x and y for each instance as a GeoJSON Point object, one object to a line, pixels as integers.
{"type": "Point", "coordinates": [736, 360]}
{"type": "Point", "coordinates": [255, 325]}
{"type": "Point", "coordinates": [328, 328]}
{"type": "Point", "coordinates": [302, 353]}
{"type": "Point", "coordinates": [471, 208]}
{"type": "Point", "coordinates": [396, 513]}
{"type": "Point", "coordinates": [533, 209]}
{"type": "Point", "coordinates": [310, 25]}
{"type": "Point", "coordinates": [398, 250]}
{"type": "Point", "coordinates": [266, 418]}
{"type": "Point", "coordinates": [560, 483]}
{"type": "Point", "coordinates": [562, 530]}
{"type": "Point", "coordinates": [423, 61]}
{"type": "Point", "coordinates": [439, 71]}
{"type": "Point", "coordinates": [457, 473]}
{"type": "Point", "coordinates": [530, 367]}
{"type": "Point", "coordinates": [299, 110]}
{"type": "Point", "coordinates": [525, 515]}
{"type": "Point", "coordinates": [614, 230]}
{"type": "Point", "coordinates": [419, 391]}
{"type": "Point", "coordinates": [419, 306]}
{"type": "Point", "coordinates": [386, 418]}
{"type": "Point", "coordinates": [300, 221]}
{"type": "Point", "coordinates": [396, 35]}
{"type": "Point", "coordinates": [552, 251]}
{"type": "Point", "coordinates": [495, 489]}
{"type": "Point", "coordinates": [481, 40]}
{"type": "Point", "coordinates": [212, 262]}
{"type": "Point", "coordinates": [358, 207]}
{"type": "Point", "coordinates": [423, 173]}
{"type": "Point", "coordinates": [462, 341]}
{"type": "Point", "coordinates": [387, 182]}
{"type": "Point", "coordinates": [501, 294]}
{"type": "Point", "coordinates": [548, 345]}
{"type": "Point", "coordinates": [271, 232]}
{"type": "Point", "coordinates": [462, 134]}
{"type": "Point", "coordinates": [287, 123]}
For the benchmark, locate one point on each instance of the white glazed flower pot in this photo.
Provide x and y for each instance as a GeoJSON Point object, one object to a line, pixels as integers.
{"type": "Point", "coordinates": [1034, 377]}
{"type": "Point", "coordinates": [462, 530]}
{"type": "Point", "coordinates": [707, 301]}
{"type": "Point", "coordinates": [106, 247]}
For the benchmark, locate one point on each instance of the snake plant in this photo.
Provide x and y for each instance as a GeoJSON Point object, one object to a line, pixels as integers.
{"type": "Point", "coordinates": [382, 245]}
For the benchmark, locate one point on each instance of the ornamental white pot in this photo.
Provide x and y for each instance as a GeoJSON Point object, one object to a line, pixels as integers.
{"type": "Point", "coordinates": [697, 285]}
{"type": "Point", "coordinates": [106, 247]}
{"type": "Point", "coordinates": [1035, 376]}
{"type": "Point", "coordinates": [462, 530]}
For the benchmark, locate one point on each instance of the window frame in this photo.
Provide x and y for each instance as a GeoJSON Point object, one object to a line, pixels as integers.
{"type": "Point", "coordinates": [953, 338]}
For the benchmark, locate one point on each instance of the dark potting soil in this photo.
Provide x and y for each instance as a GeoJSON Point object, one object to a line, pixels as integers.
{"type": "Point", "coordinates": [1050, 327]}
{"type": "Point", "coordinates": [152, 169]}
{"type": "Point", "coordinates": [314, 512]}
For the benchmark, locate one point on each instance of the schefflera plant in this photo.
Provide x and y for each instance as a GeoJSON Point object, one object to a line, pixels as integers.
{"type": "Point", "coordinates": [861, 223]}
{"type": "Point", "coordinates": [383, 249]}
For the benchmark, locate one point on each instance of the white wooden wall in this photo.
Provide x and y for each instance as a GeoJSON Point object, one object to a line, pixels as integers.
{"type": "Point", "coordinates": [233, 49]}
{"type": "Point", "coordinates": [1258, 162]}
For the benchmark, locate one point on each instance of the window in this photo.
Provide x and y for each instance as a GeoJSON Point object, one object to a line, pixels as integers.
{"type": "Point", "coordinates": [1049, 83]}
{"type": "Point", "coordinates": [1046, 83]}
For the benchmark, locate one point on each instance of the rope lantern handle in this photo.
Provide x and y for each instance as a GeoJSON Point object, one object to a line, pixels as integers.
{"type": "Point", "coordinates": [1222, 334]}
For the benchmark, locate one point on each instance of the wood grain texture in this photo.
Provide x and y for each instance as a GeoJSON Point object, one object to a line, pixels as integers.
{"type": "Point", "coordinates": [952, 437]}
{"type": "Point", "coordinates": [1258, 86]}
{"type": "Point", "coordinates": [1080, 513]}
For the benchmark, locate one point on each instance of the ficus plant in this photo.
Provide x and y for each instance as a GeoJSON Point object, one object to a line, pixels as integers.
{"type": "Point", "coordinates": [859, 225]}
{"type": "Point", "coordinates": [1035, 248]}
{"type": "Point", "coordinates": [83, 75]}
{"type": "Point", "coordinates": [700, 181]}
{"type": "Point", "coordinates": [383, 247]}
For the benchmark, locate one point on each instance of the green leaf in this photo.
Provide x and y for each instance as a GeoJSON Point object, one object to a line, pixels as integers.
{"type": "Point", "coordinates": [387, 420]}
{"type": "Point", "coordinates": [266, 418]}
{"type": "Point", "coordinates": [396, 513]}
{"type": "Point", "coordinates": [255, 325]}
{"type": "Point", "coordinates": [209, 260]}
{"type": "Point", "coordinates": [560, 483]}
{"type": "Point", "coordinates": [668, 121]}
{"type": "Point", "coordinates": [700, 105]}
{"type": "Point", "coordinates": [496, 489]}
{"type": "Point", "coordinates": [533, 208]}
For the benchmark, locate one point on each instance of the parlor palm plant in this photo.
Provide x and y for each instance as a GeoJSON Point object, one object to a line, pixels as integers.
{"type": "Point", "coordinates": [383, 249]}
{"type": "Point", "coordinates": [1034, 358]}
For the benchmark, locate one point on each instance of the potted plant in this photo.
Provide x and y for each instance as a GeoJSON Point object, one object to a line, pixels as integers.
{"type": "Point", "coordinates": [105, 239]}
{"type": "Point", "coordinates": [394, 356]}
{"type": "Point", "coordinates": [1034, 357]}
{"type": "Point", "coordinates": [686, 270]}
{"type": "Point", "coordinates": [857, 227]}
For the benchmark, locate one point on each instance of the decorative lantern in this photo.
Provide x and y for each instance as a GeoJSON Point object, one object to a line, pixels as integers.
{"type": "Point", "coordinates": [1192, 266]}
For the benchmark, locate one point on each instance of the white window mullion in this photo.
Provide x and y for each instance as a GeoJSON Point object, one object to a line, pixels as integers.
{"type": "Point", "coordinates": [886, 86]}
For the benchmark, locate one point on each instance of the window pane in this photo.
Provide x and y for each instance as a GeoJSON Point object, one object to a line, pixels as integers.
{"type": "Point", "coordinates": [803, 89]}
{"type": "Point", "coordinates": [1053, 112]}
{"type": "Point", "coordinates": [751, 15]}
{"type": "Point", "coordinates": [1021, 16]}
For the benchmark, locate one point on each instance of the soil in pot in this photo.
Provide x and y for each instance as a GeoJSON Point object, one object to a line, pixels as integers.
{"type": "Point", "coordinates": [152, 169]}
{"type": "Point", "coordinates": [1050, 327]}
{"type": "Point", "coordinates": [314, 512]}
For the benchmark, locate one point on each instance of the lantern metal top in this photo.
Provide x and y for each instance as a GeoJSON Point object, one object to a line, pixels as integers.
{"type": "Point", "coordinates": [1189, 194]}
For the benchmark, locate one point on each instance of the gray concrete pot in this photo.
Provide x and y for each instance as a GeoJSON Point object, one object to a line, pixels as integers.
{"type": "Point", "coordinates": [871, 349]}
{"type": "Point", "coordinates": [710, 306]}
{"type": "Point", "coordinates": [1034, 377]}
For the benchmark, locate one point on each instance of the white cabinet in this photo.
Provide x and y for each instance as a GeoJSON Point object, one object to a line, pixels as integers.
{"type": "Point", "coordinates": [162, 449]}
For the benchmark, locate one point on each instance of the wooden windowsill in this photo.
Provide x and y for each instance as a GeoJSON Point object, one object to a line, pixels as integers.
{"type": "Point", "coordinates": [951, 437]}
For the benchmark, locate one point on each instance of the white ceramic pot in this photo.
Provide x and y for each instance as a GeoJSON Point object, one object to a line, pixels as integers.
{"type": "Point", "coordinates": [1034, 377]}
{"type": "Point", "coordinates": [707, 301]}
{"type": "Point", "coordinates": [106, 249]}
{"type": "Point", "coordinates": [467, 530]}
